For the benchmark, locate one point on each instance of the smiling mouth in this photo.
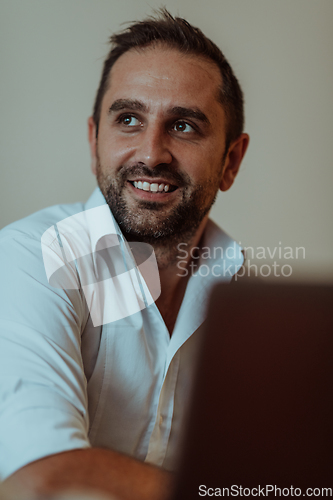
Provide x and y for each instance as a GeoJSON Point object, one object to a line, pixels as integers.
{"type": "Point", "coordinates": [154, 187]}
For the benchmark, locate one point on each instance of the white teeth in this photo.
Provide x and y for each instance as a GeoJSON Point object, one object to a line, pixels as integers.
{"type": "Point", "coordinates": [153, 188]}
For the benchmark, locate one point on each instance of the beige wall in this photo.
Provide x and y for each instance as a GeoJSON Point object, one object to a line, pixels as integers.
{"type": "Point", "coordinates": [51, 57]}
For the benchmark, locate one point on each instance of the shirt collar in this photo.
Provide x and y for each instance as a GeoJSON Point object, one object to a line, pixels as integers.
{"type": "Point", "coordinates": [104, 231]}
{"type": "Point", "coordinates": [220, 257]}
{"type": "Point", "coordinates": [100, 220]}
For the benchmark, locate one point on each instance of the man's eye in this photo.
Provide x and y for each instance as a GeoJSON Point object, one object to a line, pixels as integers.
{"type": "Point", "coordinates": [129, 121]}
{"type": "Point", "coordinates": [181, 126]}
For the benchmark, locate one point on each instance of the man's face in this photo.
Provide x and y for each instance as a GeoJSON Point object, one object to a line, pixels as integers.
{"type": "Point", "coordinates": [161, 142]}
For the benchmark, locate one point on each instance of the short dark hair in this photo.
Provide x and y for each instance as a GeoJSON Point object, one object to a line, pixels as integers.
{"type": "Point", "coordinates": [177, 33]}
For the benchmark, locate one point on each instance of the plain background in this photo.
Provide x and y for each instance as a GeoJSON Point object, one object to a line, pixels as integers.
{"type": "Point", "coordinates": [52, 53]}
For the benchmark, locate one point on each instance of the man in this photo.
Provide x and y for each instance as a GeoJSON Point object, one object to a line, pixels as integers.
{"type": "Point", "coordinates": [87, 399]}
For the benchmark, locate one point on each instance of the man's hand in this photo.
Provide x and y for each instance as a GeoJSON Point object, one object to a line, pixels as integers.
{"type": "Point", "coordinates": [94, 469]}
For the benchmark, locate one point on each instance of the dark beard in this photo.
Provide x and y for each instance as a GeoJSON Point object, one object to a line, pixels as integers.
{"type": "Point", "coordinates": [148, 222]}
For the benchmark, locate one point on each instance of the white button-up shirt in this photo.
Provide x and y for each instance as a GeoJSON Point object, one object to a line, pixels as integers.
{"type": "Point", "coordinates": [73, 375]}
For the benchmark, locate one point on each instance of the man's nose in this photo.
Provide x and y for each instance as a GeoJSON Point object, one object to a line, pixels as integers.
{"type": "Point", "coordinates": [153, 147]}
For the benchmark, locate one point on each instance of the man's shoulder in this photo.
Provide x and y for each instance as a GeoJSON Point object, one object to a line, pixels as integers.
{"type": "Point", "coordinates": [26, 284]}
{"type": "Point", "coordinates": [219, 240]}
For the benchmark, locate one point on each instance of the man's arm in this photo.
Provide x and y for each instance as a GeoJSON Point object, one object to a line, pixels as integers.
{"type": "Point", "coordinates": [94, 469]}
{"type": "Point", "coordinates": [43, 395]}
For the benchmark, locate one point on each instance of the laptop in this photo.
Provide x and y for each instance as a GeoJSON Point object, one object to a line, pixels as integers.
{"type": "Point", "coordinates": [262, 409]}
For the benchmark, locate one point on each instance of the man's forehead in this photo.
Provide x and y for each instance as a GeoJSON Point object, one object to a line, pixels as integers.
{"type": "Point", "coordinates": [165, 72]}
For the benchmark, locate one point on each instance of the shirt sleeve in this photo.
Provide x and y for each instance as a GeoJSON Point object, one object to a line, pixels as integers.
{"type": "Point", "coordinates": [43, 393]}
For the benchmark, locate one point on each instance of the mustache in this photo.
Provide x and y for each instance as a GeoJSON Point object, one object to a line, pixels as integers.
{"type": "Point", "coordinates": [172, 177]}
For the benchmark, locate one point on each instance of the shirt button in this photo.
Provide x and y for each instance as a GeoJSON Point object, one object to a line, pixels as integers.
{"type": "Point", "coordinates": [161, 419]}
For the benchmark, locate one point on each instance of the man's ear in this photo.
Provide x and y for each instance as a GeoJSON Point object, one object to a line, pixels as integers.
{"type": "Point", "coordinates": [93, 143]}
{"type": "Point", "coordinates": [233, 161]}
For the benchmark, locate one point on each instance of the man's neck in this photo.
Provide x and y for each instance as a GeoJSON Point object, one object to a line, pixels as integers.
{"type": "Point", "coordinates": [173, 278]}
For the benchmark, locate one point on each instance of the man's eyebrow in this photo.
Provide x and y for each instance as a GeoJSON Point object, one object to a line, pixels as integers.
{"type": "Point", "coordinates": [130, 104]}
{"type": "Point", "coordinates": [195, 113]}
{"type": "Point", "coordinates": [179, 111]}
